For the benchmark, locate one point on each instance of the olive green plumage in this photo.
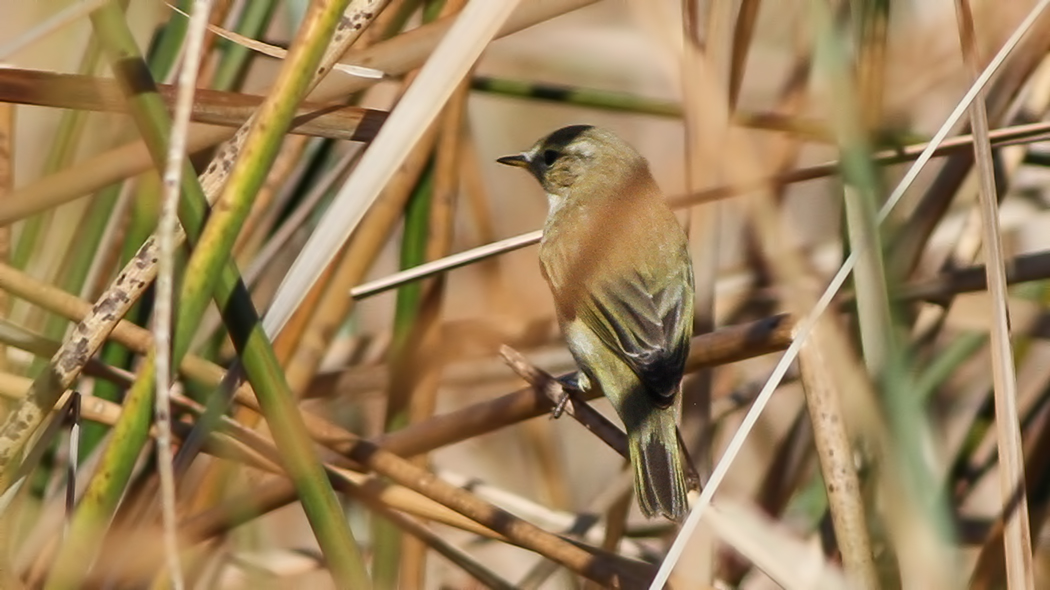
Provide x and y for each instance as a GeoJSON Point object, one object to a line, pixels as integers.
{"type": "Point", "coordinates": [618, 265]}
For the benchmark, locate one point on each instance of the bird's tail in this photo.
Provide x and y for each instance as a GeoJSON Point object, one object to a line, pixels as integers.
{"type": "Point", "coordinates": [658, 477]}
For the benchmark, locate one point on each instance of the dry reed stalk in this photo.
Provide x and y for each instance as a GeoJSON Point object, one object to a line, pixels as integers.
{"type": "Point", "coordinates": [426, 353]}
{"type": "Point", "coordinates": [253, 232]}
{"type": "Point", "coordinates": [727, 345]}
{"type": "Point", "coordinates": [743, 31]}
{"type": "Point", "coordinates": [169, 235]}
{"type": "Point", "coordinates": [1017, 533]}
{"type": "Point", "coordinates": [837, 463]}
{"type": "Point", "coordinates": [1024, 133]}
{"type": "Point", "coordinates": [333, 305]}
{"type": "Point", "coordinates": [990, 566]}
{"type": "Point", "coordinates": [396, 56]}
{"type": "Point", "coordinates": [7, 153]}
{"type": "Point", "coordinates": [212, 107]}
{"type": "Point", "coordinates": [929, 547]}
{"type": "Point", "coordinates": [474, 27]}
{"type": "Point", "coordinates": [914, 233]}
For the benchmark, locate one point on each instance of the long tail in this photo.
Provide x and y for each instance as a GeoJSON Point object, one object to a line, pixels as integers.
{"type": "Point", "coordinates": [658, 477]}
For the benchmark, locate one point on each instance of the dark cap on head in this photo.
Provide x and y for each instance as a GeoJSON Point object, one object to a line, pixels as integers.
{"type": "Point", "coordinates": [565, 136]}
{"type": "Point", "coordinates": [546, 151]}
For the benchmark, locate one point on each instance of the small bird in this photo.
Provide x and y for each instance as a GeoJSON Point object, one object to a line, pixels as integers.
{"type": "Point", "coordinates": [618, 265]}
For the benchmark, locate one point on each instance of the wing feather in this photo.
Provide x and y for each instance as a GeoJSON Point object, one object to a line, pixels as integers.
{"type": "Point", "coordinates": [647, 324]}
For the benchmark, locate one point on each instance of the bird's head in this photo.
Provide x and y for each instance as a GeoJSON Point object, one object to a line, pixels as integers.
{"type": "Point", "coordinates": [579, 160]}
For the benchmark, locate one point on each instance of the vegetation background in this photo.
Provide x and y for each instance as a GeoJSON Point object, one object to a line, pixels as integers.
{"type": "Point", "coordinates": [387, 437]}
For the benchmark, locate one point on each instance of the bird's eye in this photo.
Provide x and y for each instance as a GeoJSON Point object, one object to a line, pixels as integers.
{"type": "Point", "coordinates": [549, 156]}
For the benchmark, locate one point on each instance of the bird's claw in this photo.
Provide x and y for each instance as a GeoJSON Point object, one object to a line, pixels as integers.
{"type": "Point", "coordinates": [569, 383]}
{"type": "Point", "coordinates": [559, 408]}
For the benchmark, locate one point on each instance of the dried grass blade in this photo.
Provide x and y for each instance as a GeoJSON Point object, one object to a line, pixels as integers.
{"type": "Point", "coordinates": [279, 52]}
{"type": "Point", "coordinates": [742, 34]}
{"type": "Point", "coordinates": [807, 324]}
{"type": "Point", "coordinates": [1017, 536]}
{"type": "Point", "coordinates": [214, 107]}
{"type": "Point", "coordinates": [1018, 134]}
{"type": "Point", "coordinates": [169, 236]}
{"type": "Point", "coordinates": [476, 25]}
{"type": "Point", "coordinates": [834, 449]}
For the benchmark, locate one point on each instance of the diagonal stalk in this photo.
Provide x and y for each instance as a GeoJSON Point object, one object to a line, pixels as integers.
{"type": "Point", "coordinates": [129, 436]}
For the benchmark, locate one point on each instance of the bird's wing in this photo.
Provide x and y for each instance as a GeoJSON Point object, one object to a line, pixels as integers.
{"type": "Point", "coordinates": [648, 324]}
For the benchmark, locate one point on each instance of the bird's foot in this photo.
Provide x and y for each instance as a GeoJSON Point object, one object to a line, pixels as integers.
{"type": "Point", "coordinates": [569, 384]}
{"type": "Point", "coordinates": [559, 408]}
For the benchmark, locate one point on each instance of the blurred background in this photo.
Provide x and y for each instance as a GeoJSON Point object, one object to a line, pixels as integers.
{"type": "Point", "coordinates": [776, 129]}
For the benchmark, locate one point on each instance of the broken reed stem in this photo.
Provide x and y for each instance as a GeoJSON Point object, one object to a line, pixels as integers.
{"type": "Point", "coordinates": [837, 464]}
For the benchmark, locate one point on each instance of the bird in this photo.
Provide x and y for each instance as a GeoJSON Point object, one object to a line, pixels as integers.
{"type": "Point", "coordinates": [618, 266]}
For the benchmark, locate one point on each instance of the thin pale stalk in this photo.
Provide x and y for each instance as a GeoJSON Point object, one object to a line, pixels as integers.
{"type": "Point", "coordinates": [101, 495]}
{"type": "Point", "coordinates": [807, 323]}
{"type": "Point", "coordinates": [362, 249]}
{"type": "Point", "coordinates": [168, 237]}
{"type": "Point", "coordinates": [1017, 536]}
{"type": "Point", "coordinates": [473, 28]}
{"type": "Point", "coordinates": [876, 330]}
{"type": "Point", "coordinates": [730, 344]}
{"type": "Point", "coordinates": [260, 146]}
{"type": "Point", "coordinates": [1007, 136]}
{"type": "Point", "coordinates": [242, 314]}
{"type": "Point", "coordinates": [70, 359]}
{"type": "Point", "coordinates": [397, 56]}
{"type": "Point", "coordinates": [704, 58]}
{"type": "Point", "coordinates": [910, 239]}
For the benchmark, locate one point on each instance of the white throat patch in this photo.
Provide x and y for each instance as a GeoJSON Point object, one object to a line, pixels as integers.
{"type": "Point", "coordinates": [554, 203]}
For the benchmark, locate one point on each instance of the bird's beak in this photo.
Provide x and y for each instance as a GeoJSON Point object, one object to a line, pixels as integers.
{"type": "Point", "coordinates": [518, 160]}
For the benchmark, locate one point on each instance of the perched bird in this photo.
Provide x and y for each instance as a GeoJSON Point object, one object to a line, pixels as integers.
{"type": "Point", "coordinates": [618, 265]}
